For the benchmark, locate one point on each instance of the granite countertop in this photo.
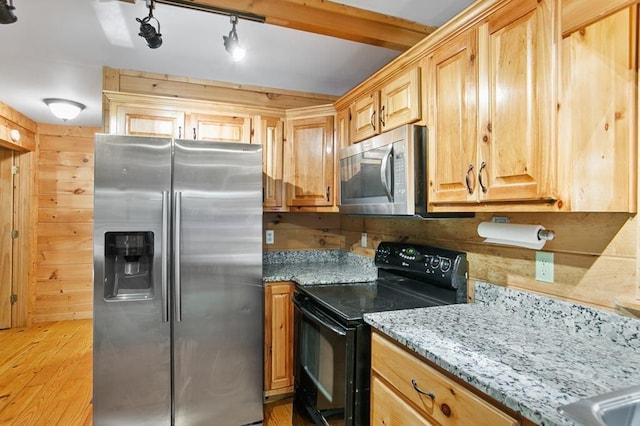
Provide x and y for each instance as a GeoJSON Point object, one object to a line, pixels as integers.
{"type": "Point", "coordinates": [531, 353]}
{"type": "Point", "coordinates": [318, 267]}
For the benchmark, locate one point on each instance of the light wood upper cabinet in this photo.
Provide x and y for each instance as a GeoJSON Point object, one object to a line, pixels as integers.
{"type": "Point", "coordinates": [309, 162]}
{"type": "Point", "coordinates": [492, 112]}
{"type": "Point", "coordinates": [138, 121]}
{"type": "Point", "coordinates": [278, 338]}
{"type": "Point", "coordinates": [394, 104]}
{"type": "Point", "coordinates": [516, 106]}
{"type": "Point", "coordinates": [597, 117]}
{"type": "Point", "coordinates": [452, 120]}
{"type": "Point", "coordinates": [366, 121]}
{"type": "Point", "coordinates": [343, 129]}
{"type": "Point", "coordinates": [219, 128]}
{"type": "Point", "coordinates": [400, 100]}
{"type": "Point", "coordinates": [270, 135]}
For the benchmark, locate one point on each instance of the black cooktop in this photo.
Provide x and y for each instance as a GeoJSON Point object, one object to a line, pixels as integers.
{"type": "Point", "coordinates": [350, 301]}
{"type": "Point", "coordinates": [409, 276]}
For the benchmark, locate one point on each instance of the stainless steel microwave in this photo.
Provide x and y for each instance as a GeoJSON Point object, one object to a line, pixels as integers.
{"type": "Point", "coordinates": [386, 175]}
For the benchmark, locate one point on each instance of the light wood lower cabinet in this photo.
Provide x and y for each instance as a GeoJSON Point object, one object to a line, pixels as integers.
{"type": "Point", "coordinates": [411, 392]}
{"type": "Point", "coordinates": [278, 339]}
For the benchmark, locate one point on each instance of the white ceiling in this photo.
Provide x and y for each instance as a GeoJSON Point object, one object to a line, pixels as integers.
{"type": "Point", "coordinates": [57, 49]}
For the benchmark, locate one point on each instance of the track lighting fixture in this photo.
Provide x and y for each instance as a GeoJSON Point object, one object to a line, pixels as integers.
{"type": "Point", "coordinates": [64, 109]}
{"type": "Point", "coordinates": [147, 31]}
{"type": "Point", "coordinates": [6, 12]}
{"type": "Point", "coordinates": [231, 43]}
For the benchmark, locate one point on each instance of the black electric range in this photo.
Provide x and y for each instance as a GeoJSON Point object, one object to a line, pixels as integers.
{"type": "Point", "coordinates": [332, 342]}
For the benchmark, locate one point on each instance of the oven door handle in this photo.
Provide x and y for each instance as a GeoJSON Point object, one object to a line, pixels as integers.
{"type": "Point", "coordinates": [322, 322]}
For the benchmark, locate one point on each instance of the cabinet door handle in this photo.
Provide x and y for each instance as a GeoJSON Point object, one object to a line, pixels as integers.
{"type": "Point", "coordinates": [195, 136]}
{"type": "Point", "coordinates": [382, 117]}
{"type": "Point", "coordinates": [179, 132]}
{"type": "Point", "coordinates": [421, 392]}
{"type": "Point", "coordinates": [469, 178]}
{"type": "Point", "coordinates": [482, 166]}
{"type": "Point", "coordinates": [328, 193]}
{"type": "Point", "coordinates": [373, 123]}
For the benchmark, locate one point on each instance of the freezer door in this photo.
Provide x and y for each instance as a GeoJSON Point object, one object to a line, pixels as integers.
{"type": "Point", "coordinates": [218, 311]}
{"type": "Point", "coordinates": [131, 349]}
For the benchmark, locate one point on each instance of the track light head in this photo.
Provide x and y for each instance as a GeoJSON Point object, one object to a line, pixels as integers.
{"type": "Point", "coordinates": [231, 43]}
{"type": "Point", "coordinates": [6, 12]}
{"type": "Point", "coordinates": [147, 31]}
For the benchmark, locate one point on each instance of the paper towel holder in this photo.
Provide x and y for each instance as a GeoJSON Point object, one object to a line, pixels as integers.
{"type": "Point", "coordinates": [543, 234]}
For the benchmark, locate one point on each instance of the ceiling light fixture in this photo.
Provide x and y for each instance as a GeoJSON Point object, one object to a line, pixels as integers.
{"type": "Point", "coordinates": [64, 109]}
{"type": "Point", "coordinates": [147, 31]}
{"type": "Point", "coordinates": [6, 12]}
{"type": "Point", "coordinates": [231, 43]}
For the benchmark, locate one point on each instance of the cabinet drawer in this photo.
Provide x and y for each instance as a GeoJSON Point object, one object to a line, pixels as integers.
{"type": "Point", "coordinates": [451, 403]}
{"type": "Point", "coordinates": [387, 408]}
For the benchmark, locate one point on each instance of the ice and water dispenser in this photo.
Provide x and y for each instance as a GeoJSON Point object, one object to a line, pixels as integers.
{"type": "Point", "coordinates": [128, 266]}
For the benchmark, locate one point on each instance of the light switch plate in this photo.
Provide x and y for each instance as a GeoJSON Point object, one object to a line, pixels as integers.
{"type": "Point", "coordinates": [363, 239]}
{"type": "Point", "coordinates": [269, 236]}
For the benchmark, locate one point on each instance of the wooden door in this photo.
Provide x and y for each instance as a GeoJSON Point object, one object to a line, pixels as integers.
{"type": "Point", "coordinates": [365, 119]}
{"type": "Point", "coordinates": [452, 120]}
{"type": "Point", "coordinates": [597, 114]}
{"type": "Point", "coordinates": [138, 121]}
{"type": "Point", "coordinates": [516, 107]}
{"type": "Point", "coordinates": [309, 164]}
{"type": "Point", "coordinates": [278, 351]}
{"type": "Point", "coordinates": [400, 100]}
{"type": "Point", "coordinates": [271, 137]}
{"type": "Point", "coordinates": [219, 128]}
{"type": "Point", "coordinates": [6, 240]}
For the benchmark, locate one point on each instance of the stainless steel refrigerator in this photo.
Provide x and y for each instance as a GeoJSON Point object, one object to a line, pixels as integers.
{"type": "Point", "coordinates": [178, 296]}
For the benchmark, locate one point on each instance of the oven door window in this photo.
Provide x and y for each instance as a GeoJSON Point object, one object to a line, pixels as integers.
{"type": "Point", "coordinates": [321, 364]}
{"type": "Point", "coordinates": [367, 177]}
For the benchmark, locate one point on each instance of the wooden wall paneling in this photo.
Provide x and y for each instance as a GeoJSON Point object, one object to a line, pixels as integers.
{"type": "Point", "coordinates": [594, 253]}
{"type": "Point", "coordinates": [303, 231]}
{"type": "Point", "coordinates": [64, 273]}
{"type": "Point", "coordinates": [190, 88]}
{"type": "Point", "coordinates": [6, 241]}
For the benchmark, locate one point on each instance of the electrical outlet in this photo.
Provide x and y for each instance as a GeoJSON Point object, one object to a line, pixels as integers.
{"type": "Point", "coordinates": [363, 239]}
{"type": "Point", "coordinates": [544, 266]}
{"type": "Point", "coordinates": [269, 236]}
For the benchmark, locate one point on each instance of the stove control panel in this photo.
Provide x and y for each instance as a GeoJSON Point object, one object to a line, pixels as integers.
{"type": "Point", "coordinates": [446, 268]}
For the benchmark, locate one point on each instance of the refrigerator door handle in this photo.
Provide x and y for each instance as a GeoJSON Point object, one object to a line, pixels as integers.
{"type": "Point", "coordinates": [165, 256]}
{"type": "Point", "coordinates": [176, 252]}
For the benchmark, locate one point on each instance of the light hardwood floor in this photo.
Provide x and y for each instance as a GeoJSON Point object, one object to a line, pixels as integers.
{"type": "Point", "coordinates": [45, 377]}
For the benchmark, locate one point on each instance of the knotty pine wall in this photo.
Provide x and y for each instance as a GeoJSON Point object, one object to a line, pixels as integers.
{"type": "Point", "coordinates": [63, 285]}
{"type": "Point", "coordinates": [594, 253]}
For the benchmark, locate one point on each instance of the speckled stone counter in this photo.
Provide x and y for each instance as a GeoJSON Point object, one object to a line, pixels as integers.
{"type": "Point", "coordinates": [531, 353]}
{"type": "Point", "coordinates": [318, 267]}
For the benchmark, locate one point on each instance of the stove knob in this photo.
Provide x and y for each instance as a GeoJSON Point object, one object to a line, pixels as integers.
{"type": "Point", "coordinates": [445, 265]}
{"type": "Point", "coordinates": [435, 262]}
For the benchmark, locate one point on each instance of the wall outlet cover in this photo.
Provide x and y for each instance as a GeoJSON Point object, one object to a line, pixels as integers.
{"type": "Point", "coordinates": [544, 266]}
{"type": "Point", "coordinates": [363, 239]}
{"type": "Point", "coordinates": [269, 236]}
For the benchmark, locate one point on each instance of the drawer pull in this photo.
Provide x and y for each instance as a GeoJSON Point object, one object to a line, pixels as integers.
{"type": "Point", "coordinates": [421, 392]}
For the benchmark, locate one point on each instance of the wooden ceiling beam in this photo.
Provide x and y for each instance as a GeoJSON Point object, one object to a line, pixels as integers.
{"type": "Point", "coordinates": [326, 18]}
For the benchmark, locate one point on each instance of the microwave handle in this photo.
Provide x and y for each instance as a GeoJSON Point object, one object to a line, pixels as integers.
{"type": "Point", "coordinates": [383, 172]}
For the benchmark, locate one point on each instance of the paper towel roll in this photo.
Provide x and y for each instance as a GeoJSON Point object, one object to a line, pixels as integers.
{"type": "Point", "coordinates": [511, 234]}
